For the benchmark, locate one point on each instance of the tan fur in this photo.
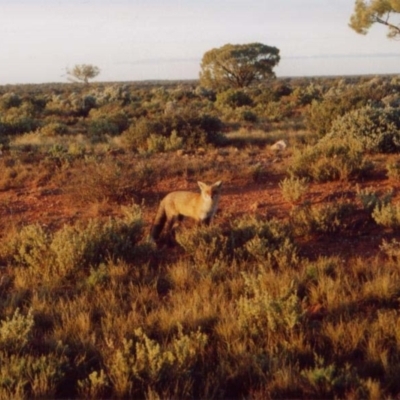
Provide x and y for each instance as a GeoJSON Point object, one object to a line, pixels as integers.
{"type": "Point", "coordinates": [177, 205]}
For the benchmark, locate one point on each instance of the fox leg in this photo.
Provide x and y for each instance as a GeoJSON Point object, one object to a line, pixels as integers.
{"type": "Point", "coordinates": [169, 225]}
{"type": "Point", "coordinates": [173, 222]}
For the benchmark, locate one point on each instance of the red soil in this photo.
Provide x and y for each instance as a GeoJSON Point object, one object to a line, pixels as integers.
{"type": "Point", "coordinates": [51, 208]}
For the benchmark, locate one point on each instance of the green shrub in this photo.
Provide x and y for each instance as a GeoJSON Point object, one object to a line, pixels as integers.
{"type": "Point", "coordinates": [293, 189]}
{"type": "Point", "coordinates": [62, 254]}
{"type": "Point", "coordinates": [84, 105]}
{"type": "Point", "coordinates": [307, 219]}
{"type": "Point", "coordinates": [387, 215]}
{"type": "Point", "coordinates": [260, 313]}
{"type": "Point", "coordinates": [234, 98]}
{"type": "Point", "coordinates": [16, 124]}
{"type": "Point", "coordinates": [204, 243]}
{"type": "Point", "coordinates": [102, 126]}
{"type": "Point", "coordinates": [95, 386]}
{"type": "Point", "coordinates": [338, 101]}
{"type": "Point", "coordinates": [16, 332]}
{"type": "Point", "coordinates": [10, 100]}
{"type": "Point", "coordinates": [194, 129]}
{"type": "Point", "coordinates": [54, 129]}
{"type": "Point", "coordinates": [370, 200]}
{"type": "Point", "coordinates": [268, 242]}
{"type": "Point", "coordinates": [377, 129]}
{"type": "Point", "coordinates": [306, 95]}
{"type": "Point", "coordinates": [321, 114]}
{"type": "Point", "coordinates": [110, 180]}
{"type": "Point", "coordinates": [249, 116]}
{"type": "Point", "coordinates": [329, 160]}
{"type": "Point", "coordinates": [157, 143]}
{"type": "Point", "coordinates": [32, 376]}
{"type": "Point", "coordinates": [141, 362]}
{"type": "Point", "coordinates": [276, 111]}
{"type": "Point", "coordinates": [137, 134]}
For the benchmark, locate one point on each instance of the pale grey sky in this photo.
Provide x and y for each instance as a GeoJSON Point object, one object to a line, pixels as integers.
{"type": "Point", "coordinates": [166, 39]}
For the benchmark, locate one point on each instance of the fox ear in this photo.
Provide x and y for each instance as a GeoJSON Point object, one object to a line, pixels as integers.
{"type": "Point", "coordinates": [217, 184]}
{"type": "Point", "coordinates": [201, 185]}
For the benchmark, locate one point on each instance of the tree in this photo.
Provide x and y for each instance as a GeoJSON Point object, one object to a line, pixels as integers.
{"type": "Point", "coordinates": [375, 11]}
{"type": "Point", "coordinates": [238, 65]}
{"type": "Point", "coordinates": [83, 73]}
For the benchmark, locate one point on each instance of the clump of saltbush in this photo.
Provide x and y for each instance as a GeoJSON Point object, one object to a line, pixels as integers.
{"type": "Point", "coordinates": [376, 129]}
{"type": "Point", "coordinates": [193, 128]}
{"type": "Point", "coordinates": [330, 160]}
{"type": "Point", "coordinates": [54, 129]}
{"type": "Point", "coordinates": [47, 255]}
{"type": "Point", "coordinates": [10, 100]}
{"type": "Point", "coordinates": [342, 99]}
{"type": "Point", "coordinates": [308, 220]}
{"type": "Point", "coordinates": [265, 242]}
{"type": "Point", "coordinates": [234, 98]}
{"type": "Point", "coordinates": [293, 189]}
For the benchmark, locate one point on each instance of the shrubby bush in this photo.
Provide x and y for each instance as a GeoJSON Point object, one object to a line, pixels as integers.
{"type": "Point", "coordinates": [268, 243]}
{"type": "Point", "coordinates": [10, 100]}
{"type": "Point", "coordinates": [272, 92]}
{"type": "Point", "coordinates": [141, 362]}
{"type": "Point", "coordinates": [249, 116]}
{"type": "Point", "coordinates": [192, 128]}
{"type": "Point", "coordinates": [370, 199]}
{"type": "Point", "coordinates": [206, 93]}
{"type": "Point", "coordinates": [16, 332]}
{"type": "Point", "coordinates": [54, 129]}
{"type": "Point", "coordinates": [387, 215]}
{"type": "Point", "coordinates": [16, 124]}
{"type": "Point", "coordinates": [322, 113]}
{"type": "Point", "coordinates": [234, 98]}
{"type": "Point", "coordinates": [157, 143]}
{"type": "Point", "coordinates": [329, 160]}
{"type": "Point", "coordinates": [276, 111]}
{"type": "Point", "coordinates": [376, 129]}
{"type": "Point", "coordinates": [102, 126]}
{"type": "Point", "coordinates": [344, 97]}
{"type": "Point", "coordinates": [61, 255]}
{"type": "Point", "coordinates": [306, 95]}
{"type": "Point", "coordinates": [307, 219]}
{"type": "Point", "coordinates": [260, 313]}
{"type": "Point", "coordinates": [293, 189]}
{"type": "Point", "coordinates": [137, 134]}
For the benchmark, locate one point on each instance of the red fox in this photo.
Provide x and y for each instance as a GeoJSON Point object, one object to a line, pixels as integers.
{"type": "Point", "coordinates": [177, 205]}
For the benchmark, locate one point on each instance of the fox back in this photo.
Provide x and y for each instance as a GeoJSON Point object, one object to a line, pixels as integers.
{"type": "Point", "coordinates": [177, 205]}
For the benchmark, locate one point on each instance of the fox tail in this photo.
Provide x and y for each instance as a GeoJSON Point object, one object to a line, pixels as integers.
{"type": "Point", "coordinates": [159, 222]}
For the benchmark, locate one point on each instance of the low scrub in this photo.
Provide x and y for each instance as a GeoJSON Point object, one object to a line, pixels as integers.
{"type": "Point", "coordinates": [376, 129]}
{"type": "Point", "coordinates": [307, 219]}
{"type": "Point", "coordinates": [387, 215]}
{"type": "Point", "coordinates": [293, 189]}
{"type": "Point", "coordinates": [330, 159]}
{"type": "Point", "coordinates": [48, 258]}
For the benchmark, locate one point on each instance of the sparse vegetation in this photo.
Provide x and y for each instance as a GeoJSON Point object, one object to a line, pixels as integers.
{"type": "Point", "coordinates": [293, 292]}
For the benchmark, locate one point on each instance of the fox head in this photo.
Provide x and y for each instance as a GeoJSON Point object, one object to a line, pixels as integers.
{"type": "Point", "coordinates": [210, 192]}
